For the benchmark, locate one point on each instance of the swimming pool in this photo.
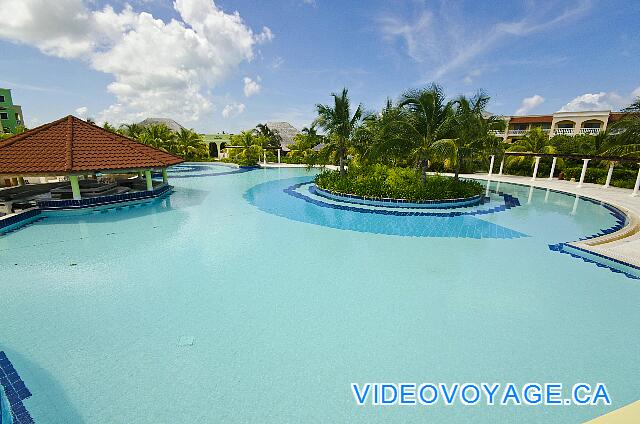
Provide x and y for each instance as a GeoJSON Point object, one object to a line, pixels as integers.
{"type": "Point", "coordinates": [246, 297]}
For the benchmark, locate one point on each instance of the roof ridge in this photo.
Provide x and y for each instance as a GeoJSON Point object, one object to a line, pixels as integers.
{"type": "Point", "coordinates": [9, 141]}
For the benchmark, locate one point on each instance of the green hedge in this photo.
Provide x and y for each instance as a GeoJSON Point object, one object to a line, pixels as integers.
{"type": "Point", "coordinates": [621, 177]}
{"type": "Point", "coordinates": [398, 183]}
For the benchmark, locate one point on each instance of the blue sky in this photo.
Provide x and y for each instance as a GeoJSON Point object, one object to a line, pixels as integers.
{"type": "Point", "coordinates": [235, 63]}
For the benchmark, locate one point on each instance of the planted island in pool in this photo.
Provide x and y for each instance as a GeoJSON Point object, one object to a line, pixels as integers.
{"type": "Point", "coordinates": [397, 185]}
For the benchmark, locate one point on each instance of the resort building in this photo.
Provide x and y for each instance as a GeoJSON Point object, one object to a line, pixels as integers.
{"type": "Point", "coordinates": [70, 163]}
{"type": "Point", "coordinates": [559, 123]}
{"type": "Point", "coordinates": [10, 114]}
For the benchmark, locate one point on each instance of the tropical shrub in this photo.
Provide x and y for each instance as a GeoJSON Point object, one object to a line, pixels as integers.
{"type": "Point", "coordinates": [399, 183]}
{"type": "Point", "coordinates": [621, 177]}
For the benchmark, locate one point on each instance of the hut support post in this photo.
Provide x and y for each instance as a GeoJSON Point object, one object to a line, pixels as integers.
{"type": "Point", "coordinates": [75, 187]}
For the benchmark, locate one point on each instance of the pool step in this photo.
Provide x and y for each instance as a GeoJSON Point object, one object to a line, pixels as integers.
{"type": "Point", "coordinates": [15, 391]}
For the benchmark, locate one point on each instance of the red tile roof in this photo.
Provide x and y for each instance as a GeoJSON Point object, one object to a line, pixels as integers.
{"type": "Point", "coordinates": [538, 119]}
{"type": "Point", "coordinates": [616, 116]}
{"type": "Point", "coordinates": [71, 145]}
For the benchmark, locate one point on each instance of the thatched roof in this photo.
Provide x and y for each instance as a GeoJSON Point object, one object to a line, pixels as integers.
{"type": "Point", "coordinates": [286, 131]}
{"type": "Point", "coordinates": [170, 123]}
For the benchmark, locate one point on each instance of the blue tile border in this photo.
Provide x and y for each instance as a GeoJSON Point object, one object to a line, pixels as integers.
{"type": "Point", "coordinates": [15, 391]}
{"type": "Point", "coordinates": [584, 255]}
{"type": "Point", "coordinates": [175, 173]}
{"type": "Point", "coordinates": [397, 203]}
{"type": "Point", "coordinates": [103, 200]}
{"type": "Point", "coordinates": [10, 223]}
{"type": "Point", "coordinates": [509, 202]}
{"type": "Point", "coordinates": [30, 216]}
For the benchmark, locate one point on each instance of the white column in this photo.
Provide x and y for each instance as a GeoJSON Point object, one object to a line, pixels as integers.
{"type": "Point", "coordinates": [535, 168]}
{"type": "Point", "coordinates": [491, 165]}
{"type": "Point", "coordinates": [553, 167]}
{"type": "Point", "coordinates": [609, 175]}
{"type": "Point", "coordinates": [501, 166]}
{"type": "Point", "coordinates": [635, 188]}
{"type": "Point", "coordinates": [279, 155]}
{"type": "Point", "coordinates": [264, 155]}
{"type": "Point", "coordinates": [584, 171]}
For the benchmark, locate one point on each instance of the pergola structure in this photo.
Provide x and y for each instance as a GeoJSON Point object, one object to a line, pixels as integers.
{"type": "Point", "coordinates": [71, 147]}
{"type": "Point", "coordinates": [585, 161]}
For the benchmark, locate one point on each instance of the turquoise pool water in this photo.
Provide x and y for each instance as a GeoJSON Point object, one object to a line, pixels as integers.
{"type": "Point", "coordinates": [245, 297]}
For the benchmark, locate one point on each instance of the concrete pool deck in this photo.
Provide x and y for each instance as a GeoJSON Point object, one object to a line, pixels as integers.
{"type": "Point", "coordinates": [623, 245]}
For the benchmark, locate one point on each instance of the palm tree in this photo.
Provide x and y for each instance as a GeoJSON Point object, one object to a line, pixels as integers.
{"type": "Point", "coordinates": [624, 135]}
{"type": "Point", "coordinates": [190, 144]}
{"type": "Point", "coordinates": [426, 113]}
{"type": "Point", "coordinates": [249, 150]}
{"type": "Point", "coordinates": [534, 141]}
{"type": "Point", "coordinates": [339, 124]}
{"type": "Point", "coordinates": [107, 126]}
{"type": "Point", "coordinates": [383, 137]}
{"type": "Point", "coordinates": [271, 138]}
{"type": "Point", "coordinates": [472, 131]}
{"type": "Point", "coordinates": [157, 135]}
{"type": "Point", "coordinates": [131, 130]}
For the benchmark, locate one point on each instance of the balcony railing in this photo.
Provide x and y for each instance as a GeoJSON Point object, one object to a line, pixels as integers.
{"type": "Point", "coordinates": [517, 132]}
{"type": "Point", "coordinates": [592, 131]}
{"type": "Point", "coordinates": [498, 133]}
{"type": "Point", "coordinates": [563, 131]}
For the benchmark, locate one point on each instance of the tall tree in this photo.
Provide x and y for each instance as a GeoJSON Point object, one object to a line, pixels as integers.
{"type": "Point", "coordinates": [269, 138]}
{"type": "Point", "coordinates": [383, 137]}
{"type": "Point", "coordinates": [426, 113]}
{"type": "Point", "coordinates": [190, 144]}
{"type": "Point", "coordinates": [132, 130]}
{"type": "Point", "coordinates": [339, 124]}
{"type": "Point", "coordinates": [624, 135]}
{"type": "Point", "coordinates": [472, 131]}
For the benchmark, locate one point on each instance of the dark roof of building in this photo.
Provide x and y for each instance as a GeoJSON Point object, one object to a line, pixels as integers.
{"type": "Point", "coordinates": [170, 123]}
{"type": "Point", "coordinates": [534, 119]}
{"type": "Point", "coordinates": [71, 145]}
{"type": "Point", "coordinates": [286, 132]}
{"type": "Point", "coordinates": [616, 116]}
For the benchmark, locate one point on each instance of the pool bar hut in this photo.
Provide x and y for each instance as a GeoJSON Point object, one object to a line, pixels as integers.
{"type": "Point", "coordinates": [89, 166]}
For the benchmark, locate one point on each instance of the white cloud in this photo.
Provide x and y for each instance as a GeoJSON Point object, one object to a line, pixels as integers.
{"type": "Point", "coordinates": [232, 110]}
{"type": "Point", "coordinates": [81, 112]}
{"type": "Point", "coordinates": [597, 101]}
{"type": "Point", "coordinates": [529, 103]}
{"type": "Point", "coordinates": [444, 40]}
{"type": "Point", "coordinates": [474, 73]}
{"type": "Point", "coordinates": [159, 68]}
{"type": "Point", "coordinates": [277, 63]}
{"type": "Point", "coordinates": [251, 87]}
